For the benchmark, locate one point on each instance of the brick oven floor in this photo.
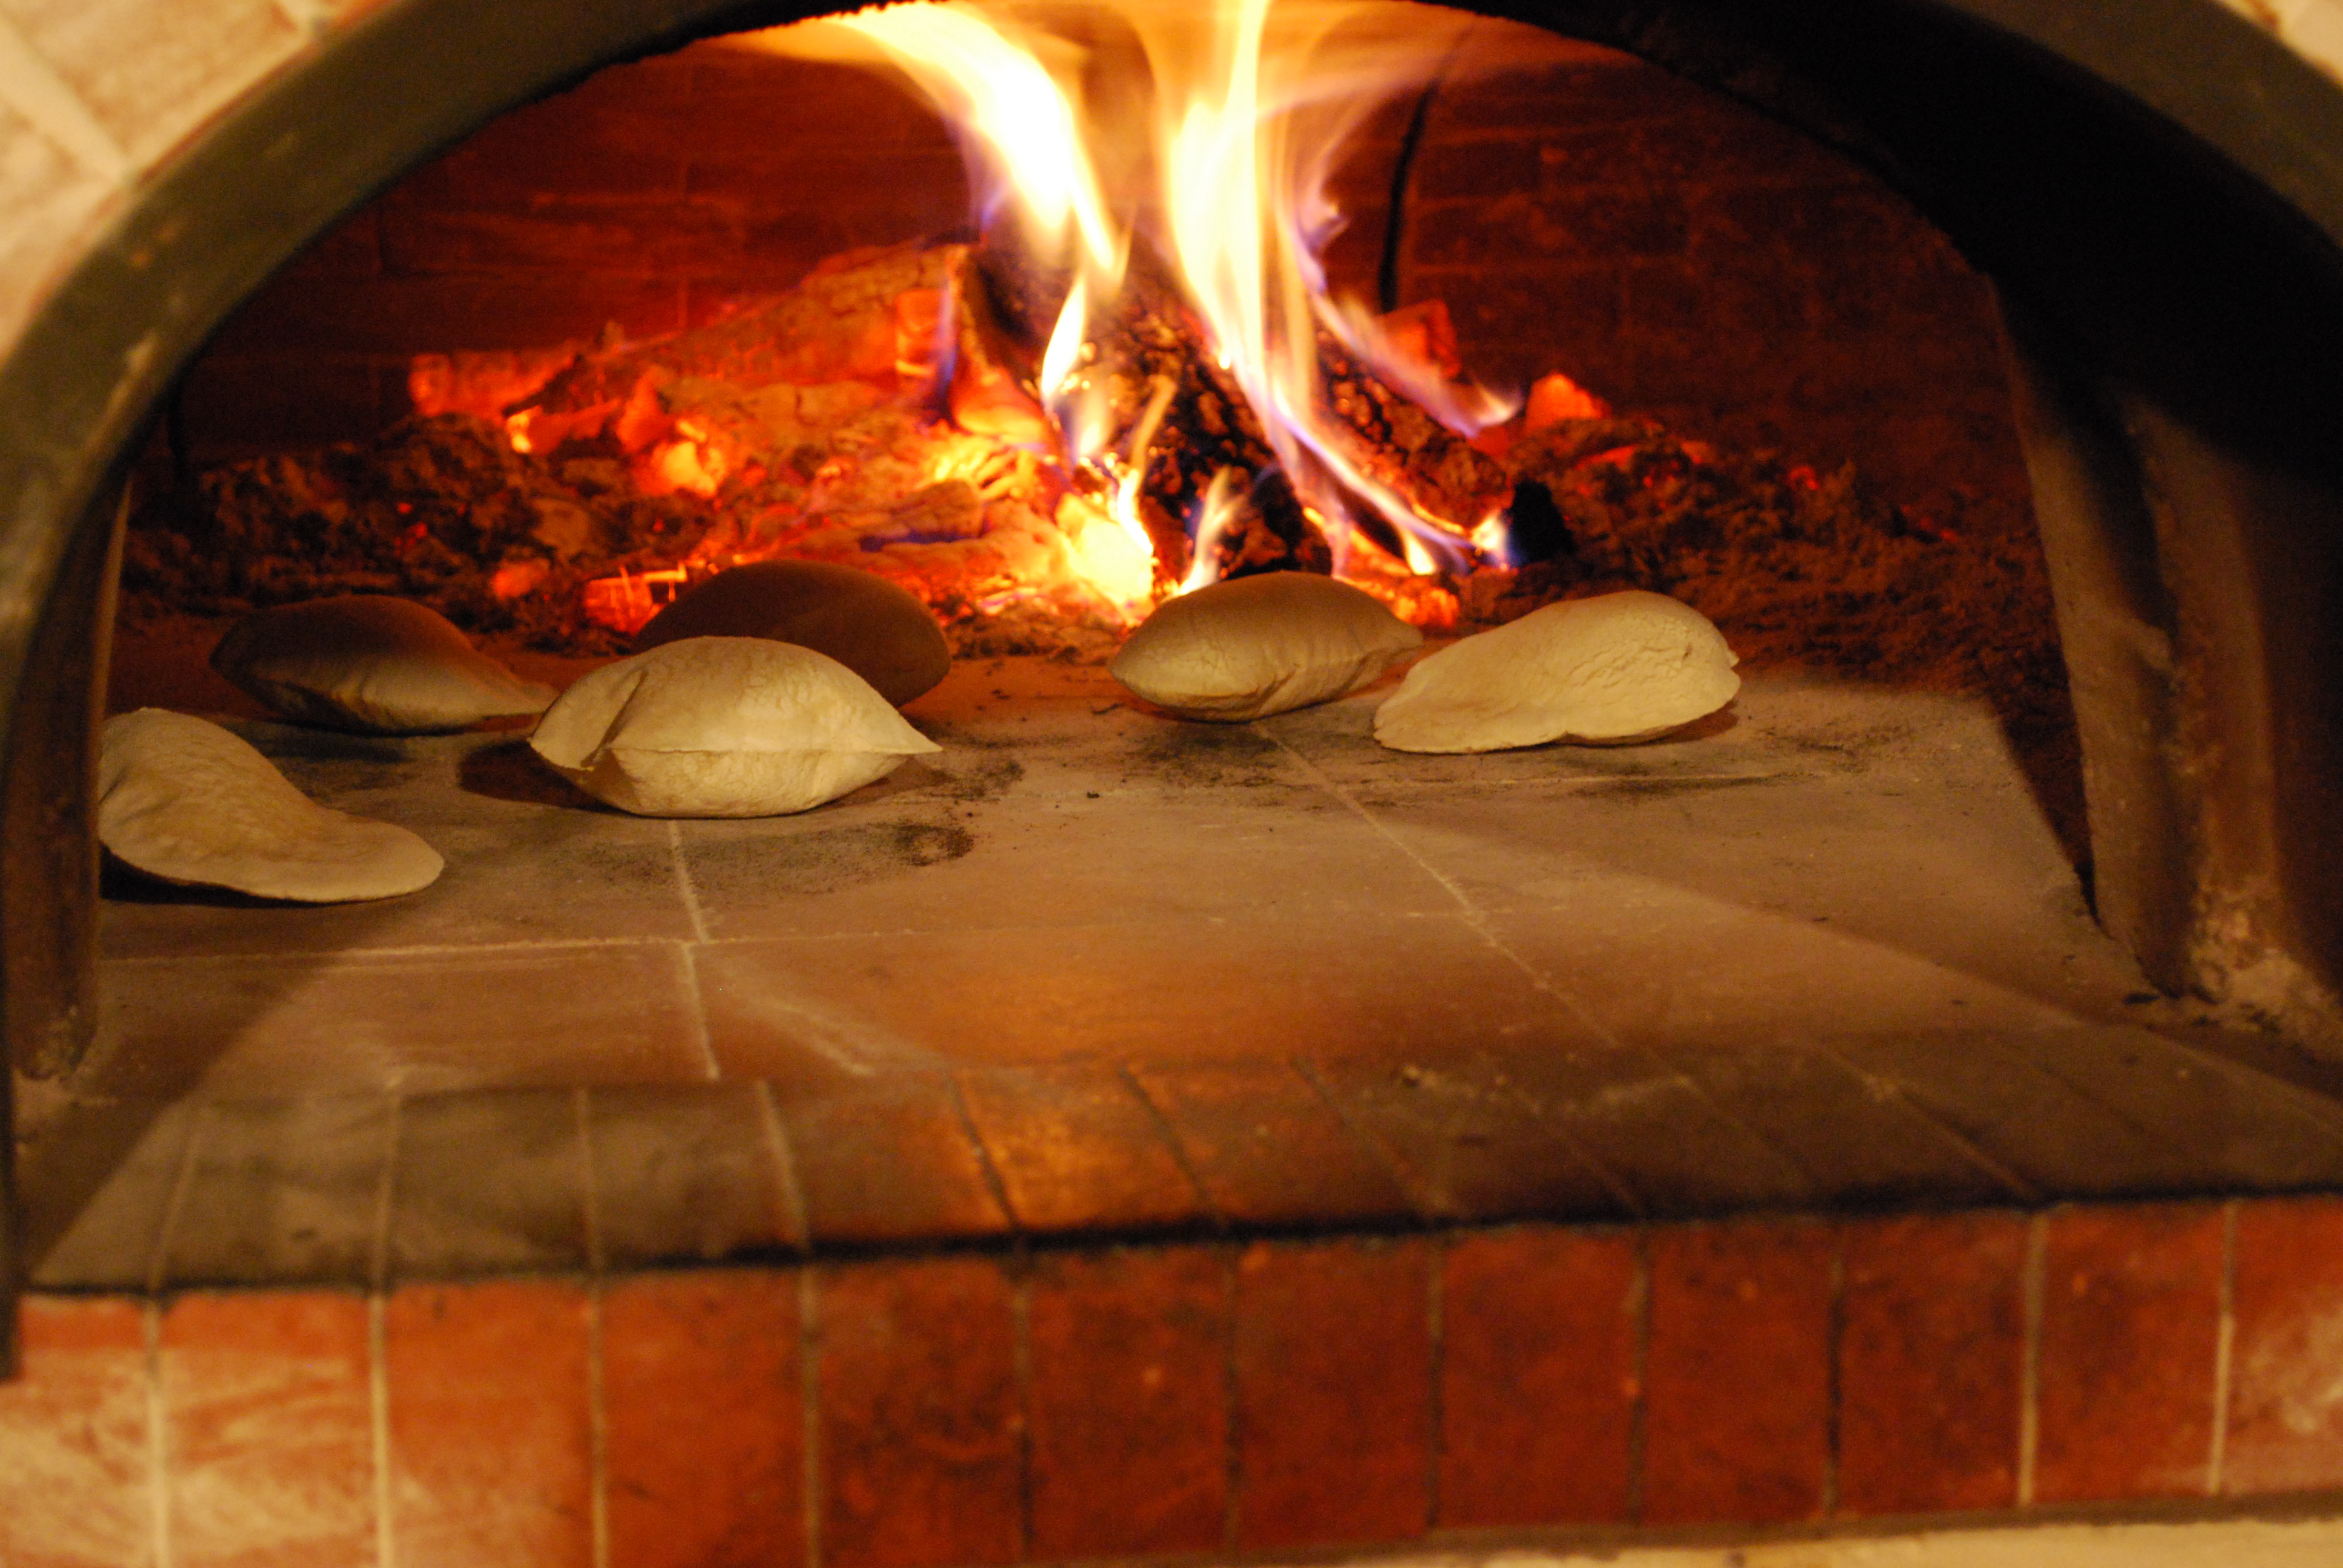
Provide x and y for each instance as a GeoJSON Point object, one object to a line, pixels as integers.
{"type": "Point", "coordinates": [1093, 971]}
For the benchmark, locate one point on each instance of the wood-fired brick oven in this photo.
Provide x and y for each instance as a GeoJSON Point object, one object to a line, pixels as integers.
{"type": "Point", "coordinates": [2161, 247]}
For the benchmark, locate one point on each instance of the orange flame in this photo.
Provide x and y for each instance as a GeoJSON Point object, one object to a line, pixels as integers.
{"type": "Point", "coordinates": [1237, 111]}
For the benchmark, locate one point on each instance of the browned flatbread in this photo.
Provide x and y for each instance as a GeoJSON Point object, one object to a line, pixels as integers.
{"type": "Point", "coordinates": [867, 624]}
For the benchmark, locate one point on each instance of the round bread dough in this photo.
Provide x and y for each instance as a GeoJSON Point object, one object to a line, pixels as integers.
{"type": "Point", "coordinates": [371, 663]}
{"type": "Point", "coordinates": [724, 727]}
{"type": "Point", "coordinates": [877, 629]}
{"type": "Point", "coordinates": [1252, 645]}
{"type": "Point", "coordinates": [1603, 672]}
{"type": "Point", "coordinates": [184, 800]}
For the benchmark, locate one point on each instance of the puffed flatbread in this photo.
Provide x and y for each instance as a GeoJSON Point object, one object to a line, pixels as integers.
{"type": "Point", "coordinates": [371, 663]}
{"type": "Point", "coordinates": [877, 629]}
{"type": "Point", "coordinates": [186, 801]}
{"type": "Point", "coordinates": [724, 727]}
{"type": "Point", "coordinates": [1260, 645]}
{"type": "Point", "coordinates": [1603, 672]}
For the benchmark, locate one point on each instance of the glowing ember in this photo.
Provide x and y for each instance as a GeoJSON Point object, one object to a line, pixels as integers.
{"type": "Point", "coordinates": [515, 578]}
{"type": "Point", "coordinates": [627, 602]}
{"type": "Point", "coordinates": [1116, 560]}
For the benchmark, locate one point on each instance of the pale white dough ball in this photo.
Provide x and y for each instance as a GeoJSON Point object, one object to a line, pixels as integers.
{"type": "Point", "coordinates": [1603, 672]}
{"type": "Point", "coordinates": [1254, 646]}
{"type": "Point", "coordinates": [724, 727]}
{"type": "Point", "coordinates": [186, 801]}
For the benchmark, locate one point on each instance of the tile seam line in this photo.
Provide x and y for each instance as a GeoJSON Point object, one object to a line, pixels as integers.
{"type": "Point", "coordinates": [2050, 1069]}
{"type": "Point", "coordinates": [158, 1435]}
{"type": "Point", "coordinates": [995, 1184]}
{"type": "Point", "coordinates": [1181, 1155]}
{"type": "Point", "coordinates": [2225, 1348]}
{"type": "Point", "coordinates": [687, 891]}
{"type": "Point", "coordinates": [357, 956]}
{"type": "Point", "coordinates": [183, 1178]}
{"type": "Point", "coordinates": [695, 1004]}
{"type": "Point", "coordinates": [788, 1192]}
{"type": "Point", "coordinates": [378, 1422]}
{"type": "Point", "coordinates": [1478, 920]}
{"type": "Point", "coordinates": [2021, 1191]}
{"type": "Point", "coordinates": [1401, 1180]}
{"type": "Point", "coordinates": [2303, 1103]}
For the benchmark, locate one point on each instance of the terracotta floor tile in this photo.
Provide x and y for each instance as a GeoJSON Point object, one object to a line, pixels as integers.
{"type": "Point", "coordinates": [1656, 963]}
{"type": "Point", "coordinates": [1538, 1377]}
{"type": "Point", "coordinates": [1130, 1417]}
{"type": "Point", "coordinates": [491, 1448]}
{"type": "Point", "coordinates": [2131, 1305]}
{"type": "Point", "coordinates": [2241, 1131]}
{"type": "Point", "coordinates": [1987, 1087]}
{"type": "Point", "coordinates": [1915, 837]}
{"type": "Point", "coordinates": [1350, 984]}
{"type": "Point", "coordinates": [97, 1188]}
{"type": "Point", "coordinates": [287, 1191]}
{"type": "Point", "coordinates": [269, 1400]}
{"type": "Point", "coordinates": [1267, 1147]}
{"type": "Point", "coordinates": [1079, 1148]}
{"type": "Point", "coordinates": [920, 1419]}
{"type": "Point", "coordinates": [1931, 1351]}
{"type": "Point", "coordinates": [688, 1173]}
{"type": "Point", "coordinates": [706, 1426]}
{"type": "Point", "coordinates": [76, 1487]}
{"type": "Point", "coordinates": [1856, 1147]}
{"type": "Point", "coordinates": [888, 1160]}
{"type": "Point", "coordinates": [491, 1182]}
{"type": "Point", "coordinates": [1333, 1390]}
{"type": "Point", "coordinates": [257, 1028]}
{"type": "Point", "coordinates": [1069, 730]}
{"type": "Point", "coordinates": [2286, 1418]}
{"type": "Point", "coordinates": [1655, 1135]}
{"type": "Point", "coordinates": [1467, 1143]}
{"type": "Point", "coordinates": [939, 864]}
{"type": "Point", "coordinates": [1737, 1375]}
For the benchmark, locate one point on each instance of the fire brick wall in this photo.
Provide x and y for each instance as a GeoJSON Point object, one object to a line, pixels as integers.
{"type": "Point", "coordinates": [1674, 252]}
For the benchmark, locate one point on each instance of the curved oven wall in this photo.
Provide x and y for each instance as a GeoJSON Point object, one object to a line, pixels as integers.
{"type": "Point", "coordinates": [2159, 197]}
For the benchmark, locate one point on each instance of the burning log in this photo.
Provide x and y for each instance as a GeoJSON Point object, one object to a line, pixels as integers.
{"type": "Point", "coordinates": [1210, 481]}
{"type": "Point", "coordinates": [1399, 445]}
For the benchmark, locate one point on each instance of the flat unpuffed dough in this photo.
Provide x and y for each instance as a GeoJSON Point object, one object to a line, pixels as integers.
{"type": "Point", "coordinates": [877, 629]}
{"type": "Point", "coordinates": [1254, 645]}
{"type": "Point", "coordinates": [371, 663]}
{"type": "Point", "coordinates": [724, 727]}
{"type": "Point", "coordinates": [1603, 672]}
{"type": "Point", "coordinates": [184, 800]}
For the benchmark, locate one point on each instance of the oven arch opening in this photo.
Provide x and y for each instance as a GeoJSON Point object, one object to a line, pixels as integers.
{"type": "Point", "coordinates": [2166, 245]}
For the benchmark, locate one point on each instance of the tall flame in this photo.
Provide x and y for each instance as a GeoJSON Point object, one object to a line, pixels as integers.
{"type": "Point", "coordinates": [1251, 102]}
{"type": "Point", "coordinates": [1000, 92]}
